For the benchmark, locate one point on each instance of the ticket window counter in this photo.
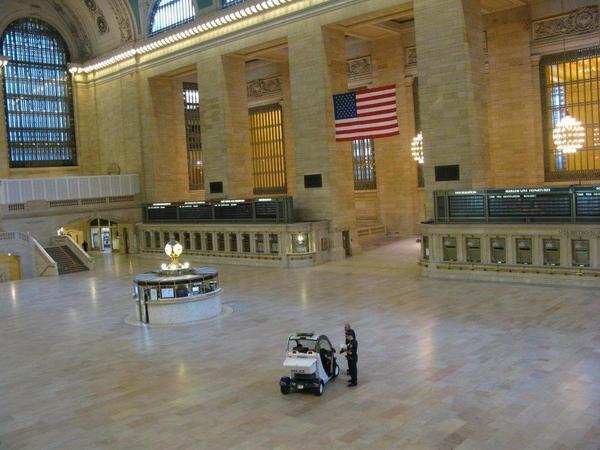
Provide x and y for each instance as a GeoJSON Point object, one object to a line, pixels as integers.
{"type": "Point", "coordinates": [425, 247]}
{"type": "Point", "coordinates": [259, 241]}
{"type": "Point", "coordinates": [551, 252]}
{"type": "Point", "coordinates": [300, 243]}
{"type": "Point", "coordinates": [580, 250]}
{"type": "Point", "coordinates": [246, 242]}
{"type": "Point", "coordinates": [449, 248]}
{"type": "Point", "coordinates": [233, 242]}
{"type": "Point", "coordinates": [498, 250]}
{"type": "Point", "coordinates": [273, 244]}
{"type": "Point", "coordinates": [524, 251]}
{"type": "Point", "coordinates": [473, 249]}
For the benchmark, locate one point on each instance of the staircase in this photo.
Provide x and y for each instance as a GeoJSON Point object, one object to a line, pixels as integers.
{"type": "Point", "coordinates": [65, 259]}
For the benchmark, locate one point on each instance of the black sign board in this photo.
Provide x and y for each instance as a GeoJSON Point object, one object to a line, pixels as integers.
{"type": "Point", "coordinates": [587, 201]}
{"type": "Point", "coordinates": [233, 211]}
{"type": "Point", "coordinates": [466, 206]}
{"type": "Point", "coordinates": [159, 213]}
{"type": "Point", "coordinates": [195, 212]}
{"type": "Point", "coordinates": [544, 202]}
{"type": "Point", "coordinates": [265, 210]}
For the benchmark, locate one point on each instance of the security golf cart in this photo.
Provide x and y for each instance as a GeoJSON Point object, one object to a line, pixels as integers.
{"type": "Point", "coordinates": [311, 361]}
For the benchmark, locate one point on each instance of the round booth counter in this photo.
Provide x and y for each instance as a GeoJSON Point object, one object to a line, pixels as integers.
{"type": "Point", "coordinates": [169, 297]}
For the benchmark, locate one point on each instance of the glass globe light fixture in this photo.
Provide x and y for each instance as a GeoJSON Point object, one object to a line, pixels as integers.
{"type": "Point", "coordinates": [416, 148]}
{"type": "Point", "coordinates": [173, 249]}
{"type": "Point", "coordinates": [568, 135]}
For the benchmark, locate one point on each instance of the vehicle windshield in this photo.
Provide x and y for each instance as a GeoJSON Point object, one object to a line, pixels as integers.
{"type": "Point", "coordinates": [301, 345]}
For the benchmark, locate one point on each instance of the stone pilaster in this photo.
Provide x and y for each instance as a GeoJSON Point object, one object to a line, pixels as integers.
{"type": "Point", "coordinates": [317, 71]}
{"type": "Point", "coordinates": [395, 168]}
{"type": "Point", "coordinates": [225, 125]}
{"type": "Point", "coordinates": [286, 106]}
{"type": "Point", "coordinates": [450, 61]}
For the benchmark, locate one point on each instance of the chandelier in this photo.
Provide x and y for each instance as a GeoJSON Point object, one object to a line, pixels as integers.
{"type": "Point", "coordinates": [568, 135]}
{"type": "Point", "coordinates": [416, 148]}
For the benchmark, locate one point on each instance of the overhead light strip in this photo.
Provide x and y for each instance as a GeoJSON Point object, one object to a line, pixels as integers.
{"type": "Point", "coordinates": [233, 15]}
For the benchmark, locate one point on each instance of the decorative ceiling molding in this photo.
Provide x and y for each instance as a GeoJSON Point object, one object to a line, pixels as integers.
{"type": "Point", "coordinates": [98, 15]}
{"type": "Point", "coordinates": [75, 27]}
{"type": "Point", "coordinates": [579, 21]}
{"type": "Point", "coordinates": [123, 20]}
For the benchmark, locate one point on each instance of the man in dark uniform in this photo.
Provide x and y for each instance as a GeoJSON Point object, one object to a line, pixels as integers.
{"type": "Point", "coordinates": [351, 356]}
{"type": "Point", "coordinates": [348, 330]}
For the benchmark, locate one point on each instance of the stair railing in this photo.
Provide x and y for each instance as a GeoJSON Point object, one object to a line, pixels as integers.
{"type": "Point", "coordinates": [81, 254]}
{"type": "Point", "coordinates": [50, 268]}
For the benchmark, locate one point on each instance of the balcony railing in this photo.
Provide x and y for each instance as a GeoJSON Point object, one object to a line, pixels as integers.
{"type": "Point", "coordinates": [63, 190]}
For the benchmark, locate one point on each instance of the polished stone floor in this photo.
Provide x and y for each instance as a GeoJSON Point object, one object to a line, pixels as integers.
{"type": "Point", "coordinates": [443, 364]}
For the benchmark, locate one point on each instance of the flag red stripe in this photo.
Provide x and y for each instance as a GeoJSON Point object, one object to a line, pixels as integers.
{"type": "Point", "coordinates": [364, 122]}
{"type": "Point", "coordinates": [359, 106]}
{"type": "Point", "coordinates": [374, 97]}
{"type": "Point", "coordinates": [377, 89]}
{"type": "Point", "coordinates": [360, 130]}
{"type": "Point", "coordinates": [394, 133]}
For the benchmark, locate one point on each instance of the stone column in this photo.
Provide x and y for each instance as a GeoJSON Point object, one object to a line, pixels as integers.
{"type": "Point", "coordinates": [225, 125]}
{"type": "Point", "coordinates": [317, 71]}
{"type": "Point", "coordinates": [395, 168]}
{"type": "Point", "coordinates": [450, 61]}
{"type": "Point", "coordinates": [286, 106]}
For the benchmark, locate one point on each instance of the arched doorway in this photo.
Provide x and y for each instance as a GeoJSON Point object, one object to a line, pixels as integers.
{"type": "Point", "coordinates": [104, 235]}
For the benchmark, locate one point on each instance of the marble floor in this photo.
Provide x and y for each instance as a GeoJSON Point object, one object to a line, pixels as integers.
{"type": "Point", "coordinates": [443, 364]}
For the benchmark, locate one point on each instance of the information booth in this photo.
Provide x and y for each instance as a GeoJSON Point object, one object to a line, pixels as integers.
{"type": "Point", "coordinates": [189, 295]}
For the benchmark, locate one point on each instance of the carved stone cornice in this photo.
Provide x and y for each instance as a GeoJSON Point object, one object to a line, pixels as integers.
{"type": "Point", "coordinates": [125, 27]}
{"type": "Point", "coordinates": [578, 21]}
{"type": "Point", "coordinates": [359, 68]}
{"type": "Point", "coordinates": [264, 87]}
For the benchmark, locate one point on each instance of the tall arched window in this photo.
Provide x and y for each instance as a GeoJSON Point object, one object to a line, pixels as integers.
{"type": "Point", "coordinates": [37, 96]}
{"type": "Point", "coordinates": [167, 14]}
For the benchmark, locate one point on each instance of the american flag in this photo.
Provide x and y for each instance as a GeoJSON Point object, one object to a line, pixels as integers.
{"type": "Point", "coordinates": [366, 114]}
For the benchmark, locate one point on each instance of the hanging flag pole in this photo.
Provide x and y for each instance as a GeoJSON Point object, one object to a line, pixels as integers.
{"type": "Point", "coordinates": [366, 114]}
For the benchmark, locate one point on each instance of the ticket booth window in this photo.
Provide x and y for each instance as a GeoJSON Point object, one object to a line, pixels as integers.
{"type": "Point", "coordinates": [197, 241]}
{"type": "Point", "coordinates": [209, 242]}
{"type": "Point", "coordinates": [260, 244]}
{"type": "Point", "coordinates": [166, 238]}
{"type": "Point", "coordinates": [220, 242]}
{"type": "Point", "coordinates": [147, 239]}
{"type": "Point", "coordinates": [187, 241]}
{"type": "Point", "coordinates": [581, 252]}
{"type": "Point", "coordinates": [551, 252]}
{"type": "Point", "coordinates": [498, 250]}
{"type": "Point", "coordinates": [425, 247]}
{"type": "Point", "coordinates": [524, 252]}
{"type": "Point", "coordinates": [156, 239]}
{"type": "Point", "coordinates": [245, 242]}
{"type": "Point", "coordinates": [473, 249]}
{"type": "Point", "coordinates": [299, 242]}
{"type": "Point", "coordinates": [449, 248]}
{"type": "Point", "coordinates": [273, 243]}
{"type": "Point", "coordinates": [233, 246]}
{"type": "Point", "coordinates": [176, 236]}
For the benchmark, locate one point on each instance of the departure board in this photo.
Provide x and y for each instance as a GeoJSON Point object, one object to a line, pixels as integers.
{"type": "Point", "coordinates": [587, 201]}
{"type": "Point", "coordinates": [543, 204]}
{"type": "Point", "coordinates": [233, 211]}
{"type": "Point", "coordinates": [466, 206]}
{"type": "Point", "coordinates": [158, 213]}
{"type": "Point", "coordinates": [529, 205]}
{"type": "Point", "coordinates": [265, 210]}
{"type": "Point", "coordinates": [195, 212]}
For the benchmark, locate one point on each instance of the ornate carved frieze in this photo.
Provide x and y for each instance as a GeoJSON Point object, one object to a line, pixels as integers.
{"type": "Point", "coordinates": [410, 56]}
{"type": "Point", "coordinates": [578, 21]}
{"type": "Point", "coordinates": [123, 20]}
{"type": "Point", "coordinates": [264, 87]}
{"type": "Point", "coordinates": [359, 68]}
{"type": "Point", "coordinates": [84, 46]}
{"type": "Point", "coordinates": [98, 15]}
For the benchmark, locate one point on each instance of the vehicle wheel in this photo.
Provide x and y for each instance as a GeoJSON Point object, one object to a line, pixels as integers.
{"type": "Point", "coordinates": [336, 371]}
{"type": "Point", "coordinates": [284, 385]}
{"type": "Point", "coordinates": [319, 390]}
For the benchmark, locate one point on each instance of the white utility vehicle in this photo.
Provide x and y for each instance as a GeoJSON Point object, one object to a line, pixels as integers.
{"type": "Point", "coordinates": [312, 363]}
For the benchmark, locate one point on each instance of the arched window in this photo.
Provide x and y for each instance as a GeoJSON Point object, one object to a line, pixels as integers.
{"type": "Point", "coordinates": [167, 14]}
{"type": "Point", "coordinates": [38, 100]}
